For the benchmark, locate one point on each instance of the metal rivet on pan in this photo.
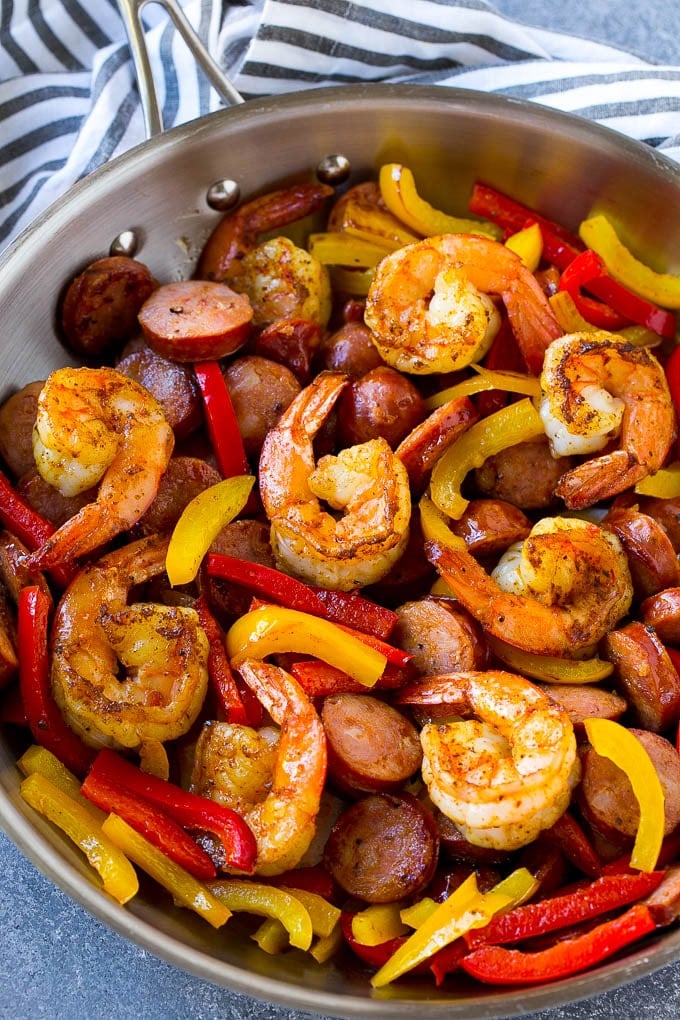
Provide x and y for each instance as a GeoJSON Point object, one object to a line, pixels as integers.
{"type": "Point", "coordinates": [223, 195]}
{"type": "Point", "coordinates": [124, 244]}
{"type": "Point", "coordinates": [333, 169]}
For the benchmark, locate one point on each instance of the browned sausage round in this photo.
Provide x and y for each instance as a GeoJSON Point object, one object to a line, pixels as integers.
{"type": "Point", "coordinates": [48, 501]}
{"type": "Point", "coordinates": [350, 350]}
{"type": "Point", "coordinates": [195, 320]}
{"type": "Point", "coordinates": [583, 701]}
{"type": "Point", "coordinates": [665, 511]}
{"type": "Point", "coordinates": [489, 526]}
{"type": "Point", "coordinates": [425, 443]}
{"type": "Point", "coordinates": [382, 403]}
{"type": "Point", "coordinates": [372, 747]}
{"type": "Point", "coordinates": [441, 637]}
{"type": "Point", "coordinates": [651, 557]}
{"type": "Point", "coordinates": [246, 539]}
{"type": "Point", "coordinates": [17, 418]}
{"type": "Point", "coordinates": [525, 474]}
{"type": "Point", "coordinates": [173, 385]}
{"type": "Point", "coordinates": [606, 795]}
{"type": "Point", "coordinates": [184, 478]}
{"type": "Point", "coordinates": [260, 392]}
{"type": "Point", "coordinates": [455, 845]}
{"type": "Point", "coordinates": [383, 848]}
{"type": "Point", "coordinates": [646, 676]}
{"type": "Point", "coordinates": [662, 612]}
{"type": "Point", "coordinates": [290, 342]}
{"type": "Point", "coordinates": [99, 310]}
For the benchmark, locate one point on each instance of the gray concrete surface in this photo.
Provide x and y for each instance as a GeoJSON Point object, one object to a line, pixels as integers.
{"type": "Point", "coordinates": [59, 963]}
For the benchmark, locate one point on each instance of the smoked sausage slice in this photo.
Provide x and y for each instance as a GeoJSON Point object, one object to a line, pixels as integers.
{"type": "Point", "coordinates": [646, 676]}
{"type": "Point", "coordinates": [383, 848]}
{"type": "Point", "coordinates": [662, 612]}
{"type": "Point", "coordinates": [195, 320]}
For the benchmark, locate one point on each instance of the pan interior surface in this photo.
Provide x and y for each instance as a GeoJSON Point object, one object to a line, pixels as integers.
{"type": "Point", "coordinates": [563, 167]}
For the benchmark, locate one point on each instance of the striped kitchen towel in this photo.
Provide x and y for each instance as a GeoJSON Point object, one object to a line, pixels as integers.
{"type": "Point", "coordinates": [69, 102]}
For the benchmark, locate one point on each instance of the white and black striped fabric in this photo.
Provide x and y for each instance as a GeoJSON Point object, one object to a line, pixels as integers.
{"type": "Point", "coordinates": [69, 102]}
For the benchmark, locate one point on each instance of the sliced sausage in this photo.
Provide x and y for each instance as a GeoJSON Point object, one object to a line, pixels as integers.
{"type": "Point", "coordinates": [384, 403]}
{"type": "Point", "coordinates": [606, 795]}
{"type": "Point", "coordinates": [410, 577]}
{"type": "Point", "coordinates": [184, 478]}
{"type": "Point", "coordinates": [246, 539]}
{"type": "Point", "coordinates": [99, 310]}
{"type": "Point", "coordinates": [662, 612]}
{"type": "Point", "coordinates": [645, 674]}
{"type": "Point", "coordinates": [372, 747]}
{"type": "Point", "coordinates": [17, 418]}
{"type": "Point", "coordinates": [276, 388]}
{"type": "Point", "coordinates": [441, 637]}
{"type": "Point", "coordinates": [9, 660]}
{"type": "Point", "coordinates": [290, 342]}
{"type": "Point", "coordinates": [490, 526]}
{"type": "Point", "coordinates": [664, 902]}
{"type": "Point", "coordinates": [195, 320]}
{"type": "Point", "coordinates": [583, 701]}
{"type": "Point", "coordinates": [350, 350]}
{"type": "Point", "coordinates": [173, 385]}
{"type": "Point", "coordinates": [666, 512]}
{"type": "Point", "coordinates": [425, 443]}
{"type": "Point", "coordinates": [525, 474]}
{"type": "Point", "coordinates": [456, 846]}
{"type": "Point", "coordinates": [48, 501]}
{"type": "Point", "coordinates": [383, 848]}
{"type": "Point", "coordinates": [651, 556]}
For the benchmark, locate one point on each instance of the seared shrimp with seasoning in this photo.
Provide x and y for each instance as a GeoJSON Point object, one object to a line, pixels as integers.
{"type": "Point", "coordinates": [96, 425]}
{"type": "Point", "coordinates": [430, 308]}
{"type": "Point", "coordinates": [597, 387]}
{"type": "Point", "coordinates": [367, 482]}
{"type": "Point", "coordinates": [274, 781]}
{"type": "Point", "coordinates": [568, 586]}
{"type": "Point", "coordinates": [508, 773]}
{"type": "Point", "coordinates": [125, 674]}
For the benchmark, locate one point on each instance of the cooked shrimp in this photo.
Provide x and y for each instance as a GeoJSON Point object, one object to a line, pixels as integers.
{"type": "Point", "coordinates": [572, 586]}
{"type": "Point", "coordinates": [274, 783]}
{"type": "Point", "coordinates": [368, 482]}
{"type": "Point", "coordinates": [429, 307]}
{"type": "Point", "coordinates": [596, 387]}
{"type": "Point", "coordinates": [507, 774]}
{"type": "Point", "coordinates": [125, 674]}
{"type": "Point", "coordinates": [96, 425]}
{"type": "Point", "coordinates": [284, 281]}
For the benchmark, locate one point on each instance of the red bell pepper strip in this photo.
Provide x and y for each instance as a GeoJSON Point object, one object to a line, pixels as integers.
{"type": "Point", "coordinates": [672, 369]}
{"type": "Point", "coordinates": [29, 526]}
{"type": "Point", "coordinates": [189, 809]}
{"type": "Point", "coordinates": [498, 966]}
{"type": "Point", "coordinates": [560, 246]}
{"type": "Point", "coordinates": [580, 273]}
{"type": "Point", "coordinates": [376, 956]}
{"type": "Point", "coordinates": [45, 721]}
{"type": "Point", "coordinates": [220, 672]}
{"type": "Point", "coordinates": [583, 903]}
{"type": "Point", "coordinates": [221, 420]}
{"type": "Point", "coordinates": [12, 709]}
{"type": "Point", "coordinates": [567, 835]}
{"type": "Point", "coordinates": [341, 607]}
{"type": "Point", "coordinates": [504, 356]}
{"type": "Point", "coordinates": [319, 679]}
{"type": "Point", "coordinates": [154, 824]}
{"type": "Point", "coordinates": [312, 879]}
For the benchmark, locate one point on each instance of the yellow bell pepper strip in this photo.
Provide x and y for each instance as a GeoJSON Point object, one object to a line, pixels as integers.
{"type": "Point", "coordinates": [568, 315]}
{"type": "Point", "coordinates": [200, 524]}
{"type": "Point", "coordinates": [378, 923]}
{"type": "Point", "coordinates": [354, 283]}
{"type": "Point", "coordinates": [435, 528]}
{"type": "Point", "coordinates": [324, 916]}
{"type": "Point", "coordinates": [551, 668]}
{"type": "Point", "coordinates": [117, 874]}
{"type": "Point", "coordinates": [398, 190]}
{"type": "Point", "coordinates": [184, 888]}
{"type": "Point", "coordinates": [38, 759]}
{"type": "Point", "coordinates": [271, 629]}
{"type": "Point", "coordinates": [528, 244]}
{"type": "Point", "coordinates": [418, 912]}
{"type": "Point", "coordinates": [486, 379]}
{"type": "Point", "coordinates": [271, 937]}
{"type": "Point", "coordinates": [327, 945]}
{"type": "Point", "coordinates": [613, 741]}
{"type": "Point", "coordinates": [267, 901]}
{"type": "Point", "coordinates": [464, 909]}
{"type": "Point", "coordinates": [661, 288]}
{"type": "Point", "coordinates": [665, 483]}
{"type": "Point", "coordinates": [363, 219]}
{"type": "Point", "coordinates": [513, 424]}
{"type": "Point", "coordinates": [337, 248]}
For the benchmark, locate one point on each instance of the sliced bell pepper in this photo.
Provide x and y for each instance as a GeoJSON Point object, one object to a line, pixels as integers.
{"type": "Point", "coordinates": [45, 721]}
{"type": "Point", "coordinates": [560, 246]}
{"type": "Point", "coordinates": [368, 219]}
{"type": "Point", "coordinates": [485, 379]}
{"type": "Point", "coordinates": [117, 874]}
{"type": "Point", "coordinates": [570, 839]}
{"type": "Point", "coordinates": [580, 273]}
{"type": "Point", "coordinates": [271, 629]}
{"type": "Point", "coordinates": [356, 611]}
{"type": "Point", "coordinates": [201, 522]}
{"type": "Point", "coordinates": [513, 424]}
{"type": "Point", "coordinates": [313, 879]}
{"type": "Point", "coordinates": [615, 742]}
{"type": "Point", "coordinates": [664, 483]}
{"type": "Point", "coordinates": [378, 923]}
{"type": "Point", "coordinates": [29, 526]}
{"type": "Point", "coordinates": [551, 668]}
{"type": "Point", "coordinates": [38, 759]}
{"type": "Point", "coordinates": [184, 888]}
{"type": "Point", "coordinates": [267, 901]}
{"type": "Point", "coordinates": [398, 190]}
{"type": "Point", "coordinates": [324, 915]}
{"type": "Point", "coordinates": [222, 679]}
{"type": "Point", "coordinates": [326, 946]}
{"type": "Point", "coordinates": [504, 356]}
{"type": "Point", "coordinates": [189, 809]}
{"type": "Point", "coordinates": [435, 527]}
{"type": "Point", "coordinates": [220, 419]}
{"type": "Point", "coordinates": [375, 956]}
{"type": "Point", "coordinates": [319, 679]}
{"type": "Point", "coordinates": [338, 248]}
{"type": "Point", "coordinates": [528, 244]}
{"type": "Point", "coordinates": [496, 965]}
{"type": "Point", "coordinates": [155, 825]}
{"type": "Point", "coordinates": [568, 315]}
{"type": "Point", "coordinates": [663, 289]}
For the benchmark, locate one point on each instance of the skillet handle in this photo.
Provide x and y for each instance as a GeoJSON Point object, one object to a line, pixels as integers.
{"type": "Point", "coordinates": [131, 13]}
